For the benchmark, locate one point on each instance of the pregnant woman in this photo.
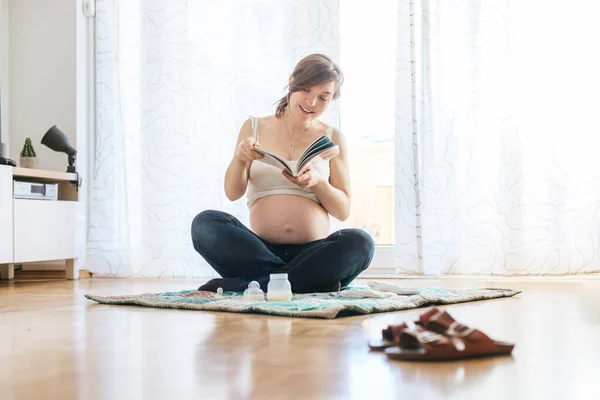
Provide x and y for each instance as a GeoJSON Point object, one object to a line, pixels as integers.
{"type": "Point", "coordinates": [289, 216]}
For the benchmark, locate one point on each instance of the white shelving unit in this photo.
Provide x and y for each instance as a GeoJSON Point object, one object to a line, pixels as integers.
{"type": "Point", "coordinates": [46, 78]}
{"type": "Point", "coordinates": [40, 230]}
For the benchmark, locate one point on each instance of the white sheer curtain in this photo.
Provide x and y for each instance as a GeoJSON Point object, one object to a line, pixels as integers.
{"type": "Point", "coordinates": [497, 142]}
{"type": "Point", "coordinates": [175, 81]}
{"type": "Point", "coordinates": [498, 139]}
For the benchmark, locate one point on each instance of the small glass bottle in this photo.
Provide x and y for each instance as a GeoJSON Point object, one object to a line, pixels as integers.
{"type": "Point", "coordinates": [279, 288]}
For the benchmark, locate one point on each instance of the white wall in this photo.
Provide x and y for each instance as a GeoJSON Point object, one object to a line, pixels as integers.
{"type": "Point", "coordinates": [42, 68]}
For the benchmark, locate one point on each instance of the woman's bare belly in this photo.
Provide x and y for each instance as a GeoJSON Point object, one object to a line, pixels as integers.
{"type": "Point", "coordinates": [288, 219]}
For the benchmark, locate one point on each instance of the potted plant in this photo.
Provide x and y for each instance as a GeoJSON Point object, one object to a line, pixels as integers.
{"type": "Point", "coordinates": [28, 157]}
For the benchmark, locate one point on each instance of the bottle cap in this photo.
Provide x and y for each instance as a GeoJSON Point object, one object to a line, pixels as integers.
{"type": "Point", "coordinates": [279, 276]}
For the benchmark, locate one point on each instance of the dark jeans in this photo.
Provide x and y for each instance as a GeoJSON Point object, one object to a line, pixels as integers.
{"type": "Point", "coordinates": [234, 251]}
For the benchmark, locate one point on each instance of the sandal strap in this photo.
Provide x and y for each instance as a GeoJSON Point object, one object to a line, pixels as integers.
{"type": "Point", "coordinates": [425, 317]}
{"type": "Point", "coordinates": [392, 332]}
{"type": "Point", "coordinates": [443, 323]}
{"type": "Point", "coordinates": [438, 346]}
{"type": "Point", "coordinates": [434, 344]}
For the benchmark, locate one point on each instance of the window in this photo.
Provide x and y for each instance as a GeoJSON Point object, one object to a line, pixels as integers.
{"type": "Point", "coordinates": [367, 117]}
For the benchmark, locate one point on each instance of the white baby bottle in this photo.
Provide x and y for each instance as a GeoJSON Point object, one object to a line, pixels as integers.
{"type": "Point", "coordinates": [253, 293]}
{"type": "Point", "coordinates": [279, 288]}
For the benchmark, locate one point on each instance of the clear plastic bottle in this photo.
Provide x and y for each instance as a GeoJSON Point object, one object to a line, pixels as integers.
{"type": "Point", "coordinates": [279, 288]}
{"type": "Point", "coordinates": [253, 293]}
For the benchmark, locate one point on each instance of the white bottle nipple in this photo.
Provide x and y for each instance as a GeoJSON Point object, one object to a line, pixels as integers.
{"type": "Point", "coordinates": [254, 285]}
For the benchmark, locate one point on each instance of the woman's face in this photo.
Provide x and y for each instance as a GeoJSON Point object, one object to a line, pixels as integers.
{"type": "Point", "coordinates": [308, 104]}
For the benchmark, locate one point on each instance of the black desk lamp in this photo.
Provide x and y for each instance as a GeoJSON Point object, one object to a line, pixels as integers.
{"type": "Point", "coordinates": [56, 140]}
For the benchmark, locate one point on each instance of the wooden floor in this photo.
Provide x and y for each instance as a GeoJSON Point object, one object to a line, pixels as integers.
{"type": "Point", "coordinates": [55, 344]}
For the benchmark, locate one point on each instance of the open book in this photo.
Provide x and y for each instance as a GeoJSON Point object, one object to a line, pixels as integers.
{"type": "Point", "coordinates": [323, 147]}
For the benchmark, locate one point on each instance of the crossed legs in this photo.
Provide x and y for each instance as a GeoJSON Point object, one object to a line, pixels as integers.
{"type": "Point", "coordinates": [240, 256]}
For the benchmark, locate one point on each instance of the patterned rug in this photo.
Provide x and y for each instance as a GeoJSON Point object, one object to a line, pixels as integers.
{"type": "Point", "coordinates": [352, 301]}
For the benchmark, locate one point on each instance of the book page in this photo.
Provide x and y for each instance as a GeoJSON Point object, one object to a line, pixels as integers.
{"type": "Point", "coordinates": [315, 151]}
{"type": "Point", "coordinates": [325, 154]}
{"type": "Point", "coordinates": [317, 143]}
{"type": "Point", "coordinates": [273, 160]}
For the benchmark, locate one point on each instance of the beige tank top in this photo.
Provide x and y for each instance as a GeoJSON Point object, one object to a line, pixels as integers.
{"type": "Point", "coordinates": [265, 179]}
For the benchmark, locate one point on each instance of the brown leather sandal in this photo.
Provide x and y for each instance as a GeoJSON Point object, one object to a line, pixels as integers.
{"type": "Point", "coordinates": [390, 336]}
{"type": "Point", "coordinates": [441, 338]}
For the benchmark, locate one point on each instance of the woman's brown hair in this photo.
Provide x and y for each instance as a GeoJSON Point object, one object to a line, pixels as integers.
{"type": "Point", "coordinates": [314, 69]}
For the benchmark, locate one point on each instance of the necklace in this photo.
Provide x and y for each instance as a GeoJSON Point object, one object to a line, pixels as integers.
{"type": "Point", "coordinates": [294, 141]}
